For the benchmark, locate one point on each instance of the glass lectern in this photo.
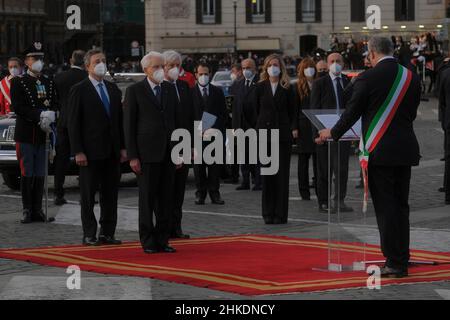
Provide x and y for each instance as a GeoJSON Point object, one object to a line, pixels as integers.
{"type": "Point", "coordinates": [345, 251]}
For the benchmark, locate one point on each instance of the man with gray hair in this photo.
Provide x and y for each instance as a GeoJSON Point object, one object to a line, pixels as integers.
{"type": "Point", "coordinates": [150, 119]}
{"type": "Point", "coordinates": [387, 98]}
{"type": "Point", "coordinates": [185, 115]}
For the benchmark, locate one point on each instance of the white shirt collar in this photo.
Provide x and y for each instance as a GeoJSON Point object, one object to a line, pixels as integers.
{"type": "Point", "coordinates": [385, 58]}
{"type": "Point", "coordinates": [95, 82]}
{"type": "Point", "coordinates": [251, 79]}
{"type": "Point", "coordinates": [152, 84]}
{"type": "Point", "coordinates": [76, 67]}
{"type": "Point", "coordinates": [201, 88]}
{"type": "Point", "coordinates": [274, 86]}
{"type": "Point", "coordinates": [333, 76]}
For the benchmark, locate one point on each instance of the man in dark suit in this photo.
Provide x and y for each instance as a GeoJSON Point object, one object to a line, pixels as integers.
{"type": "Point", "coordinates": [185, 116]}
{"type": "Point", "coordinates": [444, 111]}
{"type": "Point", "coordinates": [150, 119]}
{"type": "Point", "coordinates": [208, 98]}
{"type": "Point", "coordinates": [397, 150]}
{"type": "Point", "coordinates": [95, 124]}
{"type": "Point", "coordinates": [64, 82]}
{"type": "Point", "coordinates": [328, 93]}
{"type": "Point", "coordinates": [244, 117]}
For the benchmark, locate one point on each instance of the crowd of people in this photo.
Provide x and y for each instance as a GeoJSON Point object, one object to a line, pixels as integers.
{"type": "Point", "coordinates": [102, 129]}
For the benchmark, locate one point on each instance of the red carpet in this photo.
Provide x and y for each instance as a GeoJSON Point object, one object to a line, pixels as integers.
{"type": "Point", "coordinates": [248, 265]}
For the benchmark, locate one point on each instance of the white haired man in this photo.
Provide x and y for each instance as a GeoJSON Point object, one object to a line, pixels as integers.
{"type": "Point", "coordinates": [150, 118]}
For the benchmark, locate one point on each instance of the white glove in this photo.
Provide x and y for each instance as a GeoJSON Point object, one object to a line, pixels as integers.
{"type": "Point", "coordinates": [47, 118]}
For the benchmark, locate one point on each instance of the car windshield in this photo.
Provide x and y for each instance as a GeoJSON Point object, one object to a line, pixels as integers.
{"type": "Point", "coordinates": [222, 76]}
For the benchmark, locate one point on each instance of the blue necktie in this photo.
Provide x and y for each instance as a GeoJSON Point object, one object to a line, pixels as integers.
{"type": "Point", "coordinates": [158, 93]}
{"type": "Point", "coordinates": [105, 100]}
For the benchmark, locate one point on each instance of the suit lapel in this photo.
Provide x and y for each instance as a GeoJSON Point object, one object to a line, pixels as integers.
{"type": "Point", "coordinates": [149, 92]}
{"type": "Point", "coordinates": [90, 87]}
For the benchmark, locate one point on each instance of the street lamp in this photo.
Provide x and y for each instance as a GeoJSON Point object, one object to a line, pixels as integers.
{"type": "Point", "coordinates": [235, 27]}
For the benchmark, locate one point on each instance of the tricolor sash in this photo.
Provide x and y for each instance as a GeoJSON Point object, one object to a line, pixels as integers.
{"type": "Point", "coordinates": [5, 89]}
{"type": "Point", "coordinates": [381, 123]}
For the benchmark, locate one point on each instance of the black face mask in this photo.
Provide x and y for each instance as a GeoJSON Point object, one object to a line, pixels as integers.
{"type": "Point", "coordinates": [322, 74]}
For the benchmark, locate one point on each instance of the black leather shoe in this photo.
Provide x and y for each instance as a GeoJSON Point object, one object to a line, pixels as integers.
{"type": "Point", "coordinates": [243, 187]}
{"type": "Point", "coordinates": [279, 221]}
{"type": "Point", "coordinates": [387, 272]}
{"type": "Point", "coordinates": [200, 201]}
{"type": "Point", "coordinates": [151, 250]}
{"type": "Point", "coordinates": [257, 188]}
{"type": "Point", "coordinates": [108, 240]}
{"type": "Point", "coordinates": [26, 219]}
{"type": "Point", "coordinates": [60, 202]}
{"type": "Point", "coordinates": [90, 241]}
{"type": "Point", "coordinates": [180, 235]}
{"type": "Point", "coordinates": [218, 201]}
{"type": "Point", "coordinates": [323, 208]}
{"type": "Point", "coordinates": [42, 217]}
{"type": "Point", "coordinates": [168, 249]}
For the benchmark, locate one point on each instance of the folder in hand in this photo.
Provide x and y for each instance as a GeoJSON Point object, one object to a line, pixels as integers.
{"type": "Point", "coordinates": [208, 121]}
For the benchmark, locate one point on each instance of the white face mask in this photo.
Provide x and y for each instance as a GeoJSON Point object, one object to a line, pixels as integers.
{"type": "Point", "coordinates": [310, 72]}
{"type": "Point", "coordinates": [174, 73]}
{"type": "Point", "coordinates": [37, 66]}
{"type": "Point", "coordinates": [100, 69]}
{"type": "Point", "coordinates": [158, 76]}
{"type": "Point", "coordinates": [203, 80]}
{"type": "Point", "coordinates": [336, 69]}
{"type": "Point", "coordinates": [233, 77]}
{"type": "Point", "coordinates": [274, 71]}
{"type": "Point", "coordinates": [248, 74]}
{"type": "Point", "coordinates": [14, 72]}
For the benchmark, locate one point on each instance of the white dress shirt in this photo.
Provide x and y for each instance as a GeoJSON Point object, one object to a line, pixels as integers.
{"type": "Point", "coordinates": [274, 87]}
{"type": "Point", "coordinates": [95, 83]}
{"type": "Point", "coordinates": [203, 88]}
{"type": "Point", "coordinates": [333, 79]}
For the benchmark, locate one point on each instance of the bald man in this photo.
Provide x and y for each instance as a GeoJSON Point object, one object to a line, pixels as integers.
{"type": "Point", "coordinates": [322, 68]}
{"type": "Point", "coordinates": [328, 92]}
{"type": "Point", "coordinates": [244, 117]}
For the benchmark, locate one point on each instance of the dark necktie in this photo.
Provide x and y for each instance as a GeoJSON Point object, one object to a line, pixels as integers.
{"type": "Point", "coordinates": [340, 94]}
{"type": "Point", "coordinates": [205, 95]}
{"type": "Point", "coordinates": [158, 94]}
{"type": "Point", "coordinates": [105, 100]}
{"type": "Point", "coordinates": [248, 83]}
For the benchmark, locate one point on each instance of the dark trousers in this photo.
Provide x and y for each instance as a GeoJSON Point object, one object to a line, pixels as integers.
{"type": "Point", "coordinates": [180, 188]}
{"type": "Point", "coordinates": [253, 170]}
{"type": "Point", "coordinates": [62, 161]}
{"type": "Point", "coordinates": [207, 182]}
{"type": "Point", "coordinates": [275, 194]}
{"type": "Point", "coordinates": [102, 176]}
{"type": "Point", "coordinates": [156, 187]}
{"type": "Point", "coordinates": [303, 173]}
{"type": "Point", "coordinates": [389, 187]}
{"type": "Point", "coordinates": [339, 171]}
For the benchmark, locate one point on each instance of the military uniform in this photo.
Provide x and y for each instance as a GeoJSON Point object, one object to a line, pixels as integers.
{"type": "Point", "coordinates": [30, 95]}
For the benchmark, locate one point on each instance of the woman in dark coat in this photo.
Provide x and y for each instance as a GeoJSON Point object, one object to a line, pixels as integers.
{"type": "Point", "coordinates": [307, 73]}
{"type": "Point", "coordinates": [276, 111]}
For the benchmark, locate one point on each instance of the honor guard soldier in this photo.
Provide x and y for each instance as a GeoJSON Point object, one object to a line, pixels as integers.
{"type": "Point", "coordinates": [33, 97]}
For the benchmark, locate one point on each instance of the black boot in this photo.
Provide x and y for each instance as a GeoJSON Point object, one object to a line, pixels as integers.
{"type": "Point", "coordinates": [26, 187]}
{"type": "Point", "coordinates": [38, 193]}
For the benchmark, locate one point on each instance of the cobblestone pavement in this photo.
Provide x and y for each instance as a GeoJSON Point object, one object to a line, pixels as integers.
{"type": "Point", "coordinates": [430, 222]}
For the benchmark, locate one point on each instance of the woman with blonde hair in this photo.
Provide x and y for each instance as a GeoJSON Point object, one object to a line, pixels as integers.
{"type": "Point", "coordinates": [275, 110]}
{"type": "Point", "coordinates": [307, 73]}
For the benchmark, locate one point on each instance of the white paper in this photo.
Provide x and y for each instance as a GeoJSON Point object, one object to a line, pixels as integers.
{"type": "Point", "coordinates": [330, 120]}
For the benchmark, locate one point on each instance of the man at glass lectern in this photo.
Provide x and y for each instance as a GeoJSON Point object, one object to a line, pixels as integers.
{"type": "Point", "coordinates": [387, 98]}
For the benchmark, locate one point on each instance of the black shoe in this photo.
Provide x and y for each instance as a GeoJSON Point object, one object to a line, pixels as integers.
{"type": "Point", "coordinates": [257, 188]}
{"type": "Point", "coordinates": [60, 202]}
{"type": "Point", "coordinates": [26, 219]}
{"type": "Point", "coordinates": [442, 189]}
{"type": "Point", "coordinates": [343, 208]}
{"type": "Point", "coordinates": [279, 221]}
{"type": "Point", "coordinates": [180, 235]}
{"type": "Point", "coordinates": [151, 250]}
{"type": "Point", "coordinates": [167, 249]}
{"type": "Point", "coordinates": [447, 202]}
{"type": "Point", "coordinates": [305, 196]}
{"type": "Point", "coordinates": [40, 217]}
{"type": "Point", "coordinates": [200, 201]}
{"type": "Point", "coordinates": [90, 241]}
{"type": "Point", "coordinates": [231, 181]}
{"type": "Point", "coordinates": [323, 208]}
{"type": "Point", "coordinates": [108, 240]}
{"type": "Point", "coordinates": [268, 221]}
{"type": "Point", "coordinates": [243, 187]}
{"type": "Point", "coordinates": [387, 272]}
{"type": "Point", "coordinates": [217, 200]}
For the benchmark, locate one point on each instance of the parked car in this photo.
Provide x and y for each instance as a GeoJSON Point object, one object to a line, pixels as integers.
{"type": "Point", "coordinates": [222, 79]}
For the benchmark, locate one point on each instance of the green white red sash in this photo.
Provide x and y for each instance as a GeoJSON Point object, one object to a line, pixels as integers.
{"type": "Point", "coordinates": [5, 87]}
{"type": "Point", "coordinates": [381, 123]}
